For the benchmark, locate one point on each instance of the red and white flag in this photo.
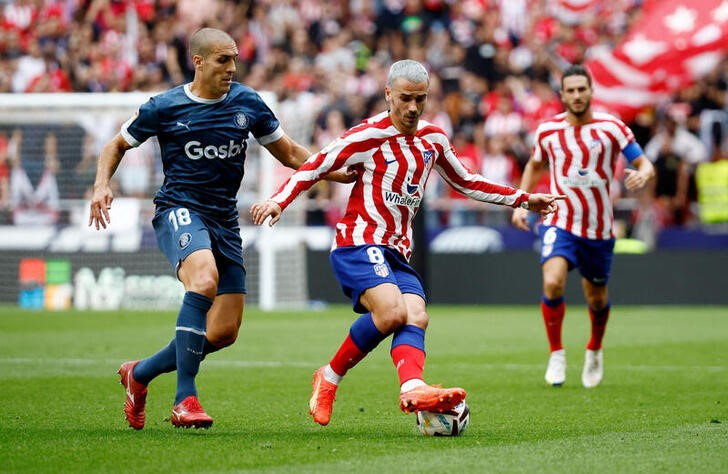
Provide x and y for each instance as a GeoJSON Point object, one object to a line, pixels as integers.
{"type": "Point", "coordinates": [675, 43]}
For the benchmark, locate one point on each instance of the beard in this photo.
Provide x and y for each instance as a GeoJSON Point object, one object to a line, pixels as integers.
{"type": "Point", "coordinates": [580, 110]}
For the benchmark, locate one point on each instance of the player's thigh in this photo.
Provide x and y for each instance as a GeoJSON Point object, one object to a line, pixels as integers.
{"type": "Point", "coordinates": [198, 272]}
{"type": "Point", "coordinates": [224, 318]}
{"type": "Point", "coordinates": [361, 268]}
{"type": "Point", "coordinates": [180, 232]}
{"type": "Point", "coordinates": [387, 305]}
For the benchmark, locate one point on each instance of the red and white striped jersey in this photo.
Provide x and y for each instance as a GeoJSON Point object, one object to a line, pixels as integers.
{"type": "Point", "coordinates": [393, 170]}
{"type": "Point", "coordinates": [582, 162]}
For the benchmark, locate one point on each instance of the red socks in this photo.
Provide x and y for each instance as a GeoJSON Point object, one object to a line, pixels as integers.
{"type": "Point", "coordinates": [409, 361]}
{"type": "Point", "coordinates": [346, 357]}
{"type": "Point", "coordinates": [553, 316]}
{"type": "Point", "coordinates": [598, 325]}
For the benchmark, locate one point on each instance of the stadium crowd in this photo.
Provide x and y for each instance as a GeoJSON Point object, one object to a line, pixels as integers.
{"type": "Point", "coordinates": [495, 68]}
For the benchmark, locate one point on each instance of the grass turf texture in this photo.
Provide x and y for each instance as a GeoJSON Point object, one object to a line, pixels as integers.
{"type": "Point", "coordinates": [662, 407]}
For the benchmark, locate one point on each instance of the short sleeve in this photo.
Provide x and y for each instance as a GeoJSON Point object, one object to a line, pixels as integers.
{"type": "Point", "coordinates": [266, 127]}
{"type": "Point", "coordinates": [142, 125]}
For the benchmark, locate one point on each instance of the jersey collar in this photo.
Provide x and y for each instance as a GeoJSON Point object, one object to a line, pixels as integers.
{"type": "Point", "coordinates": [188, 93]}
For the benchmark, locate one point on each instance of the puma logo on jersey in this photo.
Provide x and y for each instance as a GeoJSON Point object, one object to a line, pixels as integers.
{"type": "Point", "coordinates": [184, 125]}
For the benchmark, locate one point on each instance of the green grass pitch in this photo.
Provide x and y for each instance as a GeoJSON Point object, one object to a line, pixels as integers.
{"type": "Point", "coordinates": [662, 407]}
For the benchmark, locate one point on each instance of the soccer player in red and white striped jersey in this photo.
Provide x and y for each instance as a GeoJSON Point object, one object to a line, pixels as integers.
{"type": "Point", "coordinates": [581, 149]}
{"type": "Point", "coordinates": [393, 153]}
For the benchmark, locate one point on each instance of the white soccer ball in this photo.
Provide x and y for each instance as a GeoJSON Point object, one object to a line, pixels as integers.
{"type": "Point", "coordinates": [450, 423]}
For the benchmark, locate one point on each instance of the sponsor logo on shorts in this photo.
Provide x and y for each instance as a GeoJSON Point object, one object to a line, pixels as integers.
{"type": "Point", "coordinates": [381, 270]}
{"type": "Point", "coordinates": [184, 240]}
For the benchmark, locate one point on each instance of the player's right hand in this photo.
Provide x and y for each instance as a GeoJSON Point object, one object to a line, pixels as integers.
{"type": "Point", "coordinates": [100, 205]}
{"type": "Point", "coordinates": [519, 219]}
{"type": "Point", "coordinates": [261, 210]}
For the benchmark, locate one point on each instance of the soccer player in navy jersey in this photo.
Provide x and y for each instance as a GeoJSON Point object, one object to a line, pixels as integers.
{"type": "Point", "coordinates": [202, 128]}
{"type": "Point", "coordinates": [581, 149]}
{"type": "Point", "coordinates": [394, 153]}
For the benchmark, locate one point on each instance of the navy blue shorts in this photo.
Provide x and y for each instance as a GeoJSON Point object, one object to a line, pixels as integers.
{"type": "Point", "coordinates": [362, 267]}
{"type": "Point", "coordinates": [592, 257]}
{"type": "Point", "coordinates": [181, 231]}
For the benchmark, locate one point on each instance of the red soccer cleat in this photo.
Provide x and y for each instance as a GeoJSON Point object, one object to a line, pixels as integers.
{"type": "Point", "coordinates": [431, 398]}
{"type": "Point", "coordinates": [322, 398]}
{"type": "Point", "coordinates": [189, 413]}
{"type": "Point", "coordinates": [136, 395]}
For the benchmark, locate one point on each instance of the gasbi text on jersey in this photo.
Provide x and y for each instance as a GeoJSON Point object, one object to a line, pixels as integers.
{"type": "Point", "coordinates": [194, 150]}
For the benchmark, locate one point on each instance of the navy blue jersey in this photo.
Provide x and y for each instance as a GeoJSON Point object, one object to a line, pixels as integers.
{"type": "Point", "coordinates": [203, 144]}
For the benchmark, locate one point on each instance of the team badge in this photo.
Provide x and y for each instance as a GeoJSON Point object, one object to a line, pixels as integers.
{"type": "Point", "coordinates": [241, 120]}
{"type": "Point", "coordinates": [427, 155]}
{"type": "Point", "coordinates": [184, 240]}
{"type": "Point", "coordinates": [381, 270]}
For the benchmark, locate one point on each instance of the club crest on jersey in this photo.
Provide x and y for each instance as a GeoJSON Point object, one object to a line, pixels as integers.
{"type": "Point", "coordinates": [381, 270]}
{"type": "Point", "coordinates": [427, 156]}
{"type": "Point", "coordinates": [184, 240]}
{"type": "Point", "coordinates": [241, 120]}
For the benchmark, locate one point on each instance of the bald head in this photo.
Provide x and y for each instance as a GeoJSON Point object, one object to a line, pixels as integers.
{"type": "Point", "coordinates": [202, 40]}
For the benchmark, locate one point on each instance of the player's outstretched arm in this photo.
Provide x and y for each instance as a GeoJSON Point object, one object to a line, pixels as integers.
{"type": "Point", "coordinates": [109, 159]}
{"type": "Point", "coordinates": [544, 203]}
{"type": "Point", "coordinates": [531, 175]}
{"type": "Point", "coordinates": [293, 155]}
{"type": "Point", "coordinates": [262, 209]}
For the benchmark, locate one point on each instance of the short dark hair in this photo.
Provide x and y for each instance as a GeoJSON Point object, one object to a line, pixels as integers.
{"type": "Point", "coordinates": [203, 39]}
{"type": "Point", "coordinates": [576, 70]}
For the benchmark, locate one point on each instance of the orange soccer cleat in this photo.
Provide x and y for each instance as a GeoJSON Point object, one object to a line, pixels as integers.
{"type": "Point", "coordinates": [136, 395]}
{"type": "Point", "coordinates": [189, 414]}
{"type": "Point", "coordinates": [431, 398]}
{"type": "Point", "coordinates": [322, 398]}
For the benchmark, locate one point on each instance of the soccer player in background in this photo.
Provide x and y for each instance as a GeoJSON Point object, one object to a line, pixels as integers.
{"type": "Point", "coordinates": [394, 153]}
{"type": "Point", "coordinates": [581, 148]}
{"type": "Point", "coordinates": [202, 128]}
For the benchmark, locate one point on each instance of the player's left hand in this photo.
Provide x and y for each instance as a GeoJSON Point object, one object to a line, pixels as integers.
{"type": "Point", "coordinates": [262, 209]}
{"type": "Point", "coordinates": [344, 175]}
{"type": "Point", "coordinates": [544, 203]}
{"type": "Point", "coordinates": [634, 180]}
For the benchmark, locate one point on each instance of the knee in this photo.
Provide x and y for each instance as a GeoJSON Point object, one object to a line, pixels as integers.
{"type": "Point", "coordinates": [553, 287]}
{"type": "Point", "coordinates": [223, 338]}
{"type": "Point", "coordinates": [223, 332]}
{"type": "Point", "coordinates": [391, 317]}
{"type": "Point", "coordinates": [419, 319]}
{"type": "Point", "coordinates": [204, 283]}
{"type": "Point", "coordinates": [598, 302]}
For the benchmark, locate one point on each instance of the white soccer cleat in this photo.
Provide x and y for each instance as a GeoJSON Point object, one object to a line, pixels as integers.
{"type": "Point", "coordinates": [593, 368]}
{"type": "Point", "coordinates": [556, 370]}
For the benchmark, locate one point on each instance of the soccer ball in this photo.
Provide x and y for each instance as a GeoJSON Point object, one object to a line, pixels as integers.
{"type": "Point", "coordinates": [450, 423]}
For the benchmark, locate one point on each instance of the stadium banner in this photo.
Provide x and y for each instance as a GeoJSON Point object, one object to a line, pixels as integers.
{"type": "Point", "coordinates": [675, 43]}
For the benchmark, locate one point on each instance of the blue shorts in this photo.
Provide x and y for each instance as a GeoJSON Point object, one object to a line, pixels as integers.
{"type": "Point", "coordinates": [592, 257]}
{"type": "Point", "coordinates": [362, 267]}
{"type": "Point", "coordinates": [181, 231]}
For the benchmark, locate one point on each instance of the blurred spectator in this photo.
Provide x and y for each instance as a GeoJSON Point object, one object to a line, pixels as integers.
{"type": "Point", "coordinates": [462, 212]}
{"type": "Point", "coordinates": [136, 170]}
{"type": "Point", "coordinates": [40, 204]}
{"type": "Point", "coordinates": [495, 67]}
{"type": "Point", "coordinates": [4, 174]}
{"type": "Point", "coordinates": [675, 152]}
